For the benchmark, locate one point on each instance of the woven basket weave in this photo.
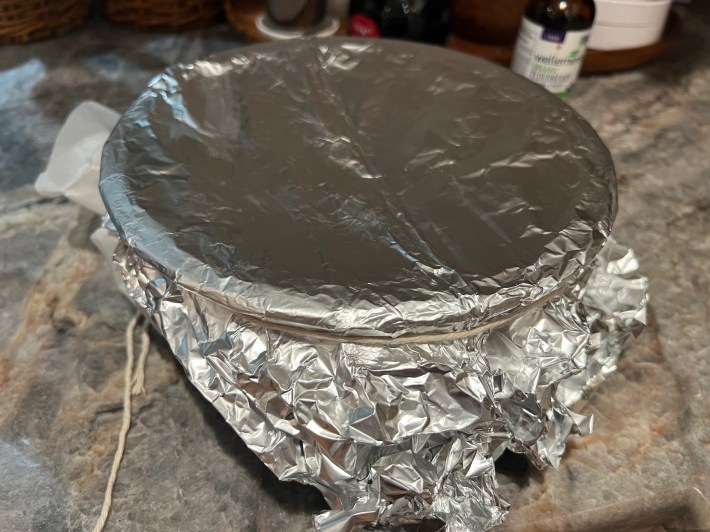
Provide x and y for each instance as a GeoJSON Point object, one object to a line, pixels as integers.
{"type": "Point", "coordinates": [31, 20]}
{"type": "Point", "coordinates": [162, 14]}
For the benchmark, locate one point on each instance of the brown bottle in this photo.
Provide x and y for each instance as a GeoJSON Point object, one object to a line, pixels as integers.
{"type": "Point", "coordinates": [552, 41]}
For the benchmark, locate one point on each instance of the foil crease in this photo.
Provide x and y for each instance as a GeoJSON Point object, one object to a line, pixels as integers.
{"type": "Point", "coordinates": [394, 435]}
{"type": "Point", "coordinates": [276, 205]}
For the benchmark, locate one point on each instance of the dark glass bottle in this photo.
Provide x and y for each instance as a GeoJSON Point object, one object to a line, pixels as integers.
{"type": "Point", "coordinates": [419, 20]}
{"type": "Point", "coordinates": [552, 41]}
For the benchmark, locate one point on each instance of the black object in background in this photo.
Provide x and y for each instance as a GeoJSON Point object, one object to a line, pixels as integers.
{"type": "Point", "coordinates": [419, 20]}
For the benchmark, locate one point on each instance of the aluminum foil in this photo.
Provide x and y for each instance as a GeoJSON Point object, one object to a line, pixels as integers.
{"type": "Point", "coordinates": [358, 187]}
{"type": "Point", "coordinates": [383, 263]}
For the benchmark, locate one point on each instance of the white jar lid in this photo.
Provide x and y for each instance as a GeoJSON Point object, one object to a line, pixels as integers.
{"type": "Point", "coordinates": [632, 13]}
{"type": "Point", "coordinates": [608, 38]}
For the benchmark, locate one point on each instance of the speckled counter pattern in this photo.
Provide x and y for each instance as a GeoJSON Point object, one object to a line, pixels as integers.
{"type": "Point", "coordinates": [62, 322]}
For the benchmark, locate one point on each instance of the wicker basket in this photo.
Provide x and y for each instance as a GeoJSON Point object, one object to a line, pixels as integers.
{"type": "Point", "coordinates": [162, 14]}
{"type": "Point", "coordinates": [31, 20]}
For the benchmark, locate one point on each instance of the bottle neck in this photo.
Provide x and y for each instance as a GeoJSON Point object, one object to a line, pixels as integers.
{"type": "Point", "coordinates": [569, 15]}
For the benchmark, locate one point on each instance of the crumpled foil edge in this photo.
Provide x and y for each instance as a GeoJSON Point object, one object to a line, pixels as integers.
{"type": "Point", "coordinates": [394, 435]}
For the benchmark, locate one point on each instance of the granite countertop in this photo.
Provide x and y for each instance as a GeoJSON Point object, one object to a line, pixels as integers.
{"type": "Point", "coordinates": [62, 350]}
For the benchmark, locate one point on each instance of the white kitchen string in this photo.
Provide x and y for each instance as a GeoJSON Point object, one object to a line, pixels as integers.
{"type": "Point", "coordinates": [132, 385]}
{"type": "Point", "coordinates": [139, 377]}
{"type": "Point", "coordinates": [404, 339]}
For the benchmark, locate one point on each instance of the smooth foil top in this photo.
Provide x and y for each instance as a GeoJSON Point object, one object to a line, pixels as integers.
{"type": "Point", "coordinates": [368, 187]}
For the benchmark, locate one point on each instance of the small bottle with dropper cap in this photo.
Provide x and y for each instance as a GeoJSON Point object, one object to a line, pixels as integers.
{"type": "Point", "coordinates": [552, 41]}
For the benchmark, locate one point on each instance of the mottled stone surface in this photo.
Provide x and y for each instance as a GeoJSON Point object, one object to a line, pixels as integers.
{"type": "Point", "coordinates": [62, 324]}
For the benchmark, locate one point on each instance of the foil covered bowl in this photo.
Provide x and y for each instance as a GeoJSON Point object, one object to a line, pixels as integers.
{"type": "Point", "coordinates": [384, 263]}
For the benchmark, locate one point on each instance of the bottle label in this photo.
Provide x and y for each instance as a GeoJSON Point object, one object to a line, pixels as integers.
{"type": "Point", "coordinates": [363, 26]}
{"type": "Point", "coordinates": [551, 58]}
